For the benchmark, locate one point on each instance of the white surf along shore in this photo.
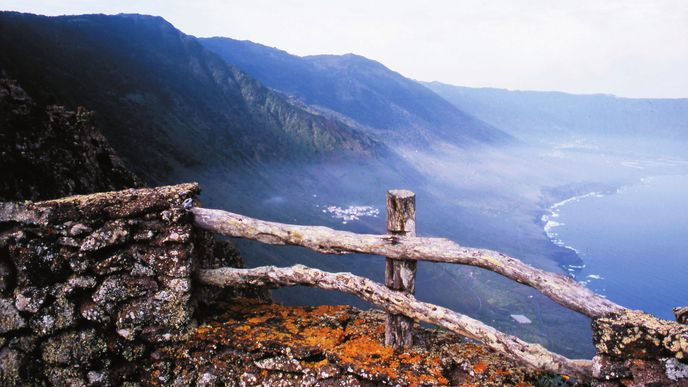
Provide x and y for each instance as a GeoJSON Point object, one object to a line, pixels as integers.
{"type": "Point", "coordinates": [550, 221]}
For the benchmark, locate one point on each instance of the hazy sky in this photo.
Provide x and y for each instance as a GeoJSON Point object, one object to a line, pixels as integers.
{"type": "Point", "coordinates": [634, 48]}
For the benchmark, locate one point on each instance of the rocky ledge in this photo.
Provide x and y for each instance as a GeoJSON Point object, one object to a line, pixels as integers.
{"type": "Point", "coordinates": [255, 343]}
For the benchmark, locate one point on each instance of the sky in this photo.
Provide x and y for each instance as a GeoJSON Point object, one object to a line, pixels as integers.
{"type": "Point", "coordinates": [630, 48]}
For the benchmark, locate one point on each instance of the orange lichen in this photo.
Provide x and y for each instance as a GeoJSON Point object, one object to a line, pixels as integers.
{"type": "Point", "coordinates": [334, 339]}
{"type": "Point", "coordinates": [322, 337]}
{"type": "Point", "coordinates": [480, 367]}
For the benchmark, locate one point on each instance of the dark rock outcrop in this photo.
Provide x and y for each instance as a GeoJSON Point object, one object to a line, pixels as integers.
{"type": "Point", "coordinates": [49, 151]}
{"type": "Point", "coordinates": [91, 285]}
{"type": "Point", "coordinates": [681, 313]}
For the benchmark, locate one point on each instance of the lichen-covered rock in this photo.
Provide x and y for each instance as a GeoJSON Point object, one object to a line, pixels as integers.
{"type": "Point", "coordinates": [606, 368]}
{"type": "Point", "coordinates": [112, 233]}
{"type": "Point", "coordinates": [635, 334]}
{"type": "Point", "coordinates": [90, 311]}
{"type": "Point", "coordinates": [265, 344]}
{"type": "Point", "coordinates": [637, 349]}
{"type": "Point", "coordinates": [164, 313]}
{"type": "Point", "coordinates": [74, 347]}
{"type": "Point", "coordinates": [114, 264]}
{"type": "Point", "coordinates": [10, 319]}
{"type": "Point", "coordinates": [94, 283]}
{"type": "Point", "coordinates": [30, 299]}
{"type": "Point", "coordinates": [675, 370]}
{"type": "Point", "coordinates": [11, 363]}
{"type": "Point", "coordinates": [59, 315]}
{"type": "Point", "coordinates": [118, 288]}
{"type": "Point", "coordinates": [74, 284]}
{"type": "Point", "coordinates": [65, 376]}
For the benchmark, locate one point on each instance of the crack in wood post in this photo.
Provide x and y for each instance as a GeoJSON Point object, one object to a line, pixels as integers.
{"type": "Point", "coordinates": [400, 275]}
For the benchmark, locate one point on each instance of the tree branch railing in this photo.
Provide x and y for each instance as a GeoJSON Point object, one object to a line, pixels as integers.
{"type": "Point", "coordinates": [402, 250]}
{"type": "Point", "coordinates": [532, 355]}
{"type": "Point", "coordinates": [563, 290]}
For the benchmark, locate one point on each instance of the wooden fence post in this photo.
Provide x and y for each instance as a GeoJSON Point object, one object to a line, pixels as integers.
{"type": "Point", "coordinates": [400, 275]}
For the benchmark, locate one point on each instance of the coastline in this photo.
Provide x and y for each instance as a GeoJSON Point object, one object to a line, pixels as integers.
{"type": "Point", "coordinates": [547, 219]}
{"type": "Point", "coordinates": [636, 236]}
{"type": "Point", "coordinates": [550, 222]}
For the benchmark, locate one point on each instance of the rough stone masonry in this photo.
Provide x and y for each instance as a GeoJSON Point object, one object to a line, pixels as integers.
{"type": "Point", "coordinates": [89, 285]}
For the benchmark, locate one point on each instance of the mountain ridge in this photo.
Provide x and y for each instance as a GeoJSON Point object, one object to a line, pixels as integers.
{"type": "Point", "coordinates": [165, 101]}
{"type": "Point", "coordinates": [379, 99]}
{"type": "Point", "coordinates": [546, 113]}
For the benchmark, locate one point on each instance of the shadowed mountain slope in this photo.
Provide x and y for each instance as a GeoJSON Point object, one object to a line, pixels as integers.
{"type": "Point", "coordinates": [361, 89]}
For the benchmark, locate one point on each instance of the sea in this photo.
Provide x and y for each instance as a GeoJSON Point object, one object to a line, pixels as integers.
{"type": "Point", "coordinates": [633, 242]}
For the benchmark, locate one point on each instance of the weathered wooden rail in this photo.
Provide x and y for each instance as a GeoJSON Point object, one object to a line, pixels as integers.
{"type": "Point", "coordinates": [402, 250]}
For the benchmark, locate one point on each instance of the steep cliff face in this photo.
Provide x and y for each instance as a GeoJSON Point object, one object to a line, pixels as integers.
{"type": "Point", "coordinates": [49, 151]}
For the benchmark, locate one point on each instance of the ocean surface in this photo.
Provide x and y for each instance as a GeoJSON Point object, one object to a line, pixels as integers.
{"type": "Point", "coordinates": [633, 242]}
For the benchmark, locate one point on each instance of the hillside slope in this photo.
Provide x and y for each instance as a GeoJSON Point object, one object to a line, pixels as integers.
{"type": "Point", "coordinates": [361, 89]}
{"type": "Point", "coordinates": [164, 101]}
{"type": "Point", "coordinates": [546, 114]}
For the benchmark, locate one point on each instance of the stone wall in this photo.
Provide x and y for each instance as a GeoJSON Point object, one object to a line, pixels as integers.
{"type": "Point", "coordinates": [92, 285]}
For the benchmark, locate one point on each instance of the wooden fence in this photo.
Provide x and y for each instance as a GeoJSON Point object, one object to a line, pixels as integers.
{"type": "Point", "coordinates": [402, 250]}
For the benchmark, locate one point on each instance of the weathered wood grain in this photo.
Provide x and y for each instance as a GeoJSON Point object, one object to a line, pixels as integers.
{"type": "Point", "coordinates": [531, 355]}
{"type": "Point", "coordinates": [561, 289]}
{"type": "Point", "coordinates": [400, 275]}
